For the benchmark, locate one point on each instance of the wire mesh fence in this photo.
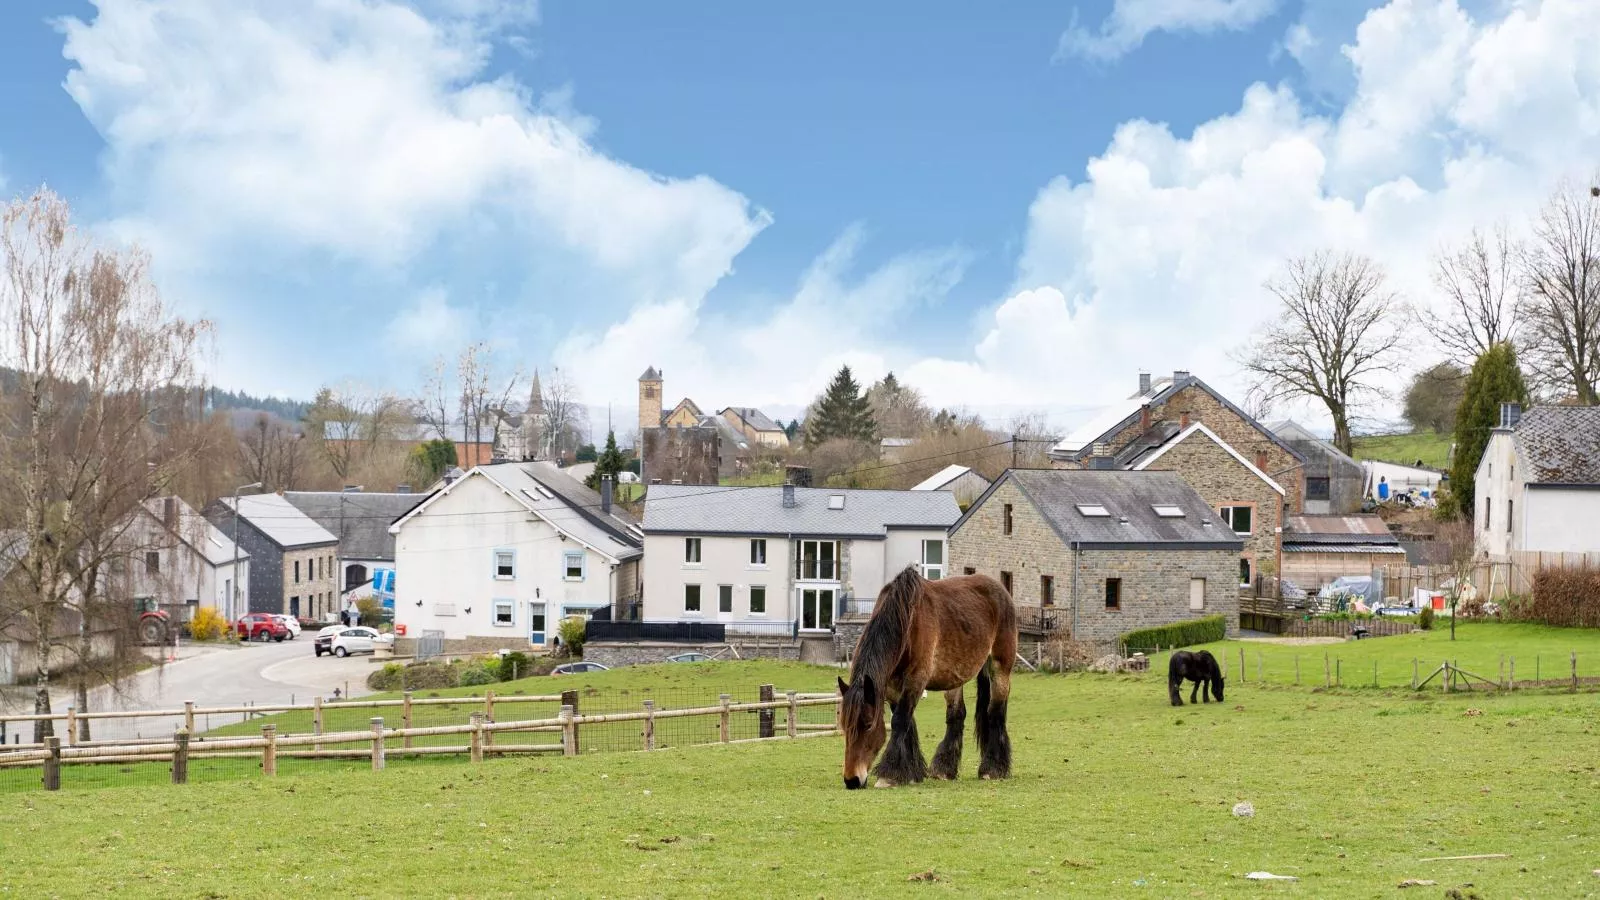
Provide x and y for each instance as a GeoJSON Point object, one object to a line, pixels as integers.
{"type": "Point", "coordinates": [415, 730]}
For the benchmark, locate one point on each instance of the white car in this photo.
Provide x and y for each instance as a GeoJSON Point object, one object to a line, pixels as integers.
{"type": "Point", "coordinates": [291, 623]}
{"type": "Point", "coordinates": [359, 639]}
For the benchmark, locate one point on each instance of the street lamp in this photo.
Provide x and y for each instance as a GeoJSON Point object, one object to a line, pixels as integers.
{"type": "Point", "coordinates": [233, 595]}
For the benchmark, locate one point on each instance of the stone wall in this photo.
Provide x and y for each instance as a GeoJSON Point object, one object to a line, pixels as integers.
{"type": "Point", "coordinates": [318, 585]}
{"type": "Point", "coordinates": [685, 455]}
{"type": "Point", "coordinates": [634, 653]}
{"type": "Point", "coordinates": [1221, 480]}
{"type": "Point", "coordinates": [407, 646]}
{"type": "Point", "coordinates": [846, 634]}
{"type": "Point", "coordinates": [1155, 583]}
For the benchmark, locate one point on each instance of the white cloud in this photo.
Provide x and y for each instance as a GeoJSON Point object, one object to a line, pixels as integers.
{"type": "Point", "coordinates": [431, 325]}
{"type": "Point", "coordinates": [363, 129]}
{"type": "Point", "coordinates": [1131, 21]}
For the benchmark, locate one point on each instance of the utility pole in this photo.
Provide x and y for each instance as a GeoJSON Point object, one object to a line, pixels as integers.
{"type": "Point", "coordinates": [1013, 450]}
{"type": "Point", "coordinates": [233, 594]}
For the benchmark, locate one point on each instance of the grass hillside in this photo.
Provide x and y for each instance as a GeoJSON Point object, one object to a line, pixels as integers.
{"type": "Point", "coordinates": [1115, 793]}
{"type": "Point", "coordinates": [1429, 446]}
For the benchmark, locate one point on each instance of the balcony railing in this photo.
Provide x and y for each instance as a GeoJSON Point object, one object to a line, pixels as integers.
{"type": "Point", "coordinates": [1038, 619]}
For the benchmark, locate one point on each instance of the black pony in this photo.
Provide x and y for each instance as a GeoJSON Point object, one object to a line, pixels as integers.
{"type": "Point", "coordinates": [1200, 668]}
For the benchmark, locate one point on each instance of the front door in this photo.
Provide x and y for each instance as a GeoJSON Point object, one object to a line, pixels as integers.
{"type": "Point", "coordinates": [816, 608]}
{"type": "Point", "coordinates": [536, 623]}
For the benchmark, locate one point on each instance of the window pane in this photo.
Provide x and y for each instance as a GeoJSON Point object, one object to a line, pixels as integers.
{"type": "Point", "coordinates": [825, 609]}
{"type": "Point", "coordinates": [758, 598]}
{"type": "Point", "coordinates": [758, 552]}
{"type": "Point", "coordinates": [933, 552]}
{"type": "Point", "coordinates": [691, 598]}
{"type": "Point", "coordinates": [725, 598]}
{"type": "Point", "coordinates": [1113, 593]}
{"type": "Point", "coordinates": [808, 609]}
{"type": "Point", "coordinates": [536, 617]}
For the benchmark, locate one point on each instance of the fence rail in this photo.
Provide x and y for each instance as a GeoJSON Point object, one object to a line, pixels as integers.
{"type": "Point", "coordinates": [480, 732]}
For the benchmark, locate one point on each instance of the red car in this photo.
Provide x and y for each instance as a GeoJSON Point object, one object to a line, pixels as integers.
{"type": "Point", "coordinates": [260, 627]}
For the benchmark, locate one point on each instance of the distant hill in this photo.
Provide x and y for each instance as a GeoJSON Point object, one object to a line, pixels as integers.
{"type": "Point", "coordinates": [1431, 448]}
{"type": "Point", "coordinates": [220, 400]}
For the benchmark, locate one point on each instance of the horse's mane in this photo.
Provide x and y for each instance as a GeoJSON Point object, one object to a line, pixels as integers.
{"type": "Point", "coordinates": [884, 638]}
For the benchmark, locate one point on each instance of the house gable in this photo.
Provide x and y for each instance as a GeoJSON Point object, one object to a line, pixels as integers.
{"type": "Point", "coordinates": [1152, 461]}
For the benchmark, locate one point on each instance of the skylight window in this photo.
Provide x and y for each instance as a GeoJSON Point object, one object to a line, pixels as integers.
{"type": "Point", "coordinates": [1093, 510]}
{"type": "Point", "coordinates": [836, 501]}
{"type": "Point", "coordinates": [1168, 512]}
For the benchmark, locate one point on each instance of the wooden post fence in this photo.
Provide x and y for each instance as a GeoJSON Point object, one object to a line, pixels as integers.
{"type": "Point", "coordinates": [1413, 673]}
{"type": "Point", "coordinates": [570, 699]}
{"type": "Point", "coordinates": [1297, 670]}
{"type": "Point", "coordinates": [52, 763]}
{"type": "Point", "coordinates": [1512, 681]}
{"type": "Point", "coordinates": [477, 737]}
{"type": "Point", "coordinates": [1574, 671]}
{"type": "Point", "coordinates": [767, 718]}
{"type": "Point", "coordinates": [72, 726]}
{"type": "Point", "coordinates": [793, 724]}
{"type": "Point", "coordinates": [269, 753]}
{"type": "Point", "coordinates": [569, 732]}
{"type": "Point", "coordinates": [723, 725]}
{"type": "Point", "coordinates": [188, 716]}
{"type": "Point", "coordinates": [180, 757]}
{"type": "Point", "coordinates": [1327, 672]}
{"type": "Point", "coordinates": [405, 718]}
{"type": "Point", "coordinates": [377, 743]}
{"type": "Point", "coordinates": [649, 724]}
{"type": "Point", "coordinates": [316, 720]}
{"type": "Point", "coordinates": [1338, 672]}
{"type": "Point", "coordinates": [488, 715]}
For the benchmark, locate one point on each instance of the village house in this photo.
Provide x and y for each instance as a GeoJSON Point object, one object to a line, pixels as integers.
{"type": "Point", "coordinates": [182, 562]}
{"type": "Point", "coordinates": [685, 445]}
{"type": "Point", "coordinates": [27, 644]}
{"type": "Point", "coordinates": [1099, 553]}
{"type": "Point", "coordinates": [1334, 481]}
{"type": "Point", "coordinates": [360, 520]}
{"type": "Point", "coordinates": [1537, 489]}
{"type": "Point", "coordinates": [497, 558]}
{"type": "Point", "coordinates": [966, 484]}
{"type": "Point", "coordinates": [1320, 549]}
{"type": "Point", "coordinates": [292, 572]}
{"type": "Point", "coordinates": [1383, 480]}
{"type": "Point", "coordinates": [796, 569]}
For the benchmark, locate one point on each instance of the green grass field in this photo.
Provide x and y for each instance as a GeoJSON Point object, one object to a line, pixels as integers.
{"type": "Point", "coordinates": [1429, 446]}
{"type": "Point", "coordinates": [1115, 793]}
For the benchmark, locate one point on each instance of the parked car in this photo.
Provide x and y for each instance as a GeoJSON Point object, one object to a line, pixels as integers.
{"type": "Point", "coordinates": [689, 657]}
{"type": "Point", "coordinates": [260, 627]}
{"type": "Point", "coordinates": [292, 624]}
{"type": "Point", "coordinates": [359, 639]}
{"type": "Point", "coordinates": [323, 642]}
{"type": "Point", "coordinates": [575, 668]}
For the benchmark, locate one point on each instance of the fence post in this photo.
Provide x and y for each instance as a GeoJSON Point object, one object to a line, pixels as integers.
{"type": "Point", "coordinates": [477, 736]}
{"type": "Point", "coordinates": [1502, 681]}
{"type": "Point", "coordinates": [649, 724]}
{"type": "Point", "coordinates": [1447, 676]}
{"type": "Point", "coordinates": [1513, 680]}
{"type": "Point", "coordinates": [72, 726]}
{"type": "Point", "coordinates": [488, 715]}
{"type": "Point", "coordinates": [1338, 672]}
{"type": "Point", "coordinates": [1261, 667]}
{"type": "Point", "coordinates": [766, 718]}
{"type": "Point", "coordinates": [269, 753]}
{"type": "Point", "coordinates": [569, 732]}
{"type": "Point", "coordinates": [405, 718]}
{"type": "Point", "coordinates": [1574, 671]}
{"type": "Point", "coordinates": [793, 725]}
{"type": "Point", "coordinates": [723, 727]}
{"type": "Point", "coordinates": [1374, 673]}
{"type": "Point", "coordinates": [1242, 672]}
{"type": "Point", "coordinates": [1413, 673]}
{"type": "Point", "coordinates": [1327, 672]}
{"type": "Point", "coordinates": [188, 716]}
{"type": "Point", "coordinates": [180, 757]}
{"type": "Point", "coordinates": [377, 743]}
{"type": "Point", "coordinates": [570, 699]}
{"type": "Point", "coordinates": [52, 764]}
{"type": "Point", "coordinates": [1536, 673]}
{"type": "Point", "coordinates": [1297, 670]}
{"type": "Point", "coordinates": [316, 720]}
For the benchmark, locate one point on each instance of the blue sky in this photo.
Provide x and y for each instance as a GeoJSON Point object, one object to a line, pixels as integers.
{"type": "Point", "coordinates": [1015, 210]}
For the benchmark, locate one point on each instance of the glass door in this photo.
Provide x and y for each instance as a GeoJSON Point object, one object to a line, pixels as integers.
{"type": "Point", "coordinates": [536, 623]}
{"type": "Point", "coordinates": [816, 608]}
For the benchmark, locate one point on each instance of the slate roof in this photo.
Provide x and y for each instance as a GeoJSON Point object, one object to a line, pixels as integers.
{"type": "Point", "coordinates": [1080, 443]}
{"type": "Point", "coordinates": [755, 418]}
{"type": "Point", "coordinates": [1130, 498]}
{"type": "Point", "coordinates": [574, 508]}
{"type": "Point", "coordinates": [196, 532]}
{"type": "Point", "coordinates": [358, 519]}
{"type": "Point", "coordinates": [942, 477]}
{"type": "Point", "coordinates": [1559, 445]}
{"type": "Point", "coordinates": [1338, 534]}
{"type": "Point", "coordinates": [650, 374]}
{"type": "Point", "coordinates": [280, 521]}
{"type": "Point", "coordinates": [699, 509]}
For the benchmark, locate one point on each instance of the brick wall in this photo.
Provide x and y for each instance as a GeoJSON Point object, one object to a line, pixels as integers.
{"type": "Point", "coordinates": [1155, 583]}
{"type": "Point", "coordinates": [1221, 480]}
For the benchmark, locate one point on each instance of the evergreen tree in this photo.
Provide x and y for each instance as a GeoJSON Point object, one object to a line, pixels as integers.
{"type": "Point", "coordinates": [610, 462]}
{"type": "Point", "coordinates": [434, 458]}
{"type": "Point", "coordinates": [792, 429]}
{"type": "Point", "coordinates": [1495, 379]}
{"type": "Point", "coordinates": [842, 412]}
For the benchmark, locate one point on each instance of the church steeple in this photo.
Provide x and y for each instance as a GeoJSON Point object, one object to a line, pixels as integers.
{"type": "Point", "coordinates": [536, 397]}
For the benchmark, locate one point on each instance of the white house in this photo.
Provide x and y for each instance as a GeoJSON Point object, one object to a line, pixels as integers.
{"type": "Point", "coordinates": [961, 481]}
{"type": "Point", "coordinates": [498, 557]}
{"type": "Point", "coordinates": [182, 561]}
{"type": "Point", "coordinates": [1538, 485]}
{"type": "Point", "coordinates": [782, 560]}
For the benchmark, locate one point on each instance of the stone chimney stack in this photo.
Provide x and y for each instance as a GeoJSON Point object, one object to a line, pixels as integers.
{"type": "Point", "coordinates": [605, 495]}
{"type": "Point", "coordinates": [788, 496]}
{"type": "Point", "coordinates": [169, 513]}
{"type": "Point", "coordinates": [1144, 384]}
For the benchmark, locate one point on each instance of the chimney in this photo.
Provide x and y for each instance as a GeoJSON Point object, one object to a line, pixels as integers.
{"type": "Point", "coordinates": [169, 513]}
{"type": "Point", "coordinates": [1179, 376]}
{"type": "Point", "coordinates": [1100, 458]}
{"type": "Point", "coordinates": [1144, 384]}
{"type": "Point", "coordinates": [402, 489]}
{"type": "Point", "coordinates": [605, 495]}
{"type": "Point", "coordinates": [1510, 414]}
{"type": "Point", "coordinates": [1144, 416]}
{"type": "Point", "coordinates": [788, 496]}
{"type": "Point", "coordinates": [1183, 421]}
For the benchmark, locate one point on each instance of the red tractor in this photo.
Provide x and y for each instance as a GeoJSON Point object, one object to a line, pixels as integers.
{"type": "Point", "coordinates": [155, 623]}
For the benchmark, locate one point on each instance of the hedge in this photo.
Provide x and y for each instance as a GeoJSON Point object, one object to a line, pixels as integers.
{"type": "Point", "coordinates": [1568, 598]}
{"type": "Point", "coordinates": [1178, 634]}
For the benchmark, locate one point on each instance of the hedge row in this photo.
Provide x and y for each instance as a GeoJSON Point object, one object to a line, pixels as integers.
{"type": "Point", "coordinates": [1563, 597]}
{"type": "Point", "coordinates": [1178, 634]}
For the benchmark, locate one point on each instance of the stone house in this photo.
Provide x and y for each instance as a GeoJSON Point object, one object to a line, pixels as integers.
{"type": "Point", "coordinates": [1246, 499]}
{"type": "Point", "coordinates": [499, 557]}
{"type": "Point", "coordinates": [1334, 481]}
{"type": "Point", "coordinates": [685, 445]}
{"type": "Point", "coordinates": [1099, 553]}
{"type": "Point", "coordinates": [756, 426]}
{"type": "Point", "coordinates": [293, 569]}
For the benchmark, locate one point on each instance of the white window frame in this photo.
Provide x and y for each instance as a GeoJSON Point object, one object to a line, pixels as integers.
{"type": "Point", "coordinates": [699, 600]}
{"type": "Point", "coordinates": [693, 551]}
{"type": "Point", "coordinates": [750, 601]}
{"type": "Point", "coordinates": [934, 571]}
{"type": "Point", "coordinates": [729, 589]}
{"type": "Point", "coordinates": [509, 554]}
{"type": "Point", "coordinates": [567, 556]}
{"type": "Point", "coordinates": [758, 553]}
{"type": "Point", "coordinates": [1226, 513]}
{"type": "Point", "coordinates": [1193, 607]}
{"type": "Point", "coordinates": [509, 607]}
{"type": "Point", "coordinates": [837, 561]}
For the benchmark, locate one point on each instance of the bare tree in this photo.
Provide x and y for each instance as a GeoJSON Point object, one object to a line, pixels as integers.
{"type": "Point", "coordinates": [1333, 338]}
{"type": "Point", "coordinates": [349, 423]}
{"type": "Point", "coordinates": [272, 454]}
{"type": "Point", "coordinates": [1560, 308]}
{"type": "Point", "coordinates": [1480, 284]}
{"type": "Point", "coordinates": [95, 423]}
{"type": "Point", "coordinates": [566, 418]}
{"type": "Point", "coordinates": [470, 401]}
{"type": "Point", "coordinates": [1031, 439]}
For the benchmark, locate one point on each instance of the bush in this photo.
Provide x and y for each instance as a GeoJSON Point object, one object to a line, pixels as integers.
{"type": "Point", "coordinates": [513, 666]}
{"type": "Point", "coordinates": [207, 625]}
{"type": "Point", "coordinates": [572, 633]}
{"type": "Point", "coordinates": [1425, 619]}
{"type": "Point", "coordinates": [473, 675]}
{"type": "Point", "coordinates": [389, 678]}
{"type": "Point", "coordinates": [1178, 634]}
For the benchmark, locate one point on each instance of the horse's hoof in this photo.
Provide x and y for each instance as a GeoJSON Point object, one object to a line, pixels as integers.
{"type": "Point", "coordinates": [883, 783]}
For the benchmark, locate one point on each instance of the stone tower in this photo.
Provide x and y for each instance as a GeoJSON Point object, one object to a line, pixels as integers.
{"type": "Point", "coordinates": [650, 399]}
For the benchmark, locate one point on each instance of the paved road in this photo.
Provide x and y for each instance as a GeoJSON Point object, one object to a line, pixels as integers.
{"type": "Point", "coordinates": [218, 675]}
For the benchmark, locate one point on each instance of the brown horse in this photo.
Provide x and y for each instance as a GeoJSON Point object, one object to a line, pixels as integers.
{"type": "Point", "coordinates": [929, 635]}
